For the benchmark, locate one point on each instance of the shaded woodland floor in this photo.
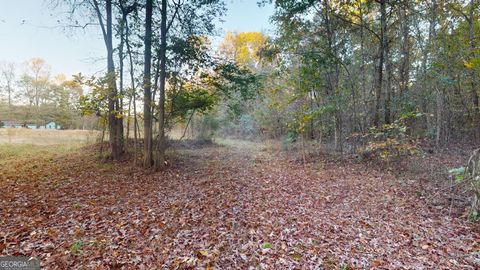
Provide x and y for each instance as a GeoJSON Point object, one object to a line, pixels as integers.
{"type": "Point", "coordinates": [225, 207]}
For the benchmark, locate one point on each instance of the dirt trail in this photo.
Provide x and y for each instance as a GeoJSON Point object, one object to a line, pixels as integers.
{"type": "Point", "coordinates": [232, 207]}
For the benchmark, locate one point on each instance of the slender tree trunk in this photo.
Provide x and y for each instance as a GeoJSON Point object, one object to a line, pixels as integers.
{"type": "Point", "coordinates": [186, 126]}
{"type": "Point", "coordinates": [147, 93]}
{"type": "Point", "coordinates": [102, 138]}
{"type": "Point", "coordinates": [155, 80]}
{"type": "Point", "coordinates": [363, 70]}
{"type": "Point", "coordinates": [472, 72]}
{"type": "Point", "coordinates": [332, 78]}
{"type": "Point", "coordinates": [114, 115]}
{"type": "Point", "coordinates": [161, 145]}
{"type": "Point", "coordinates": [405, 64]}
{"type": "Point", "coordinates": [438, 92]}
{"type": "Point", "coordinates": [121, 70]}
{"type": "Point", "coordinates": [439, 101]}
{"type": "Point", "coordinates": [134, 91]}
{"type": "Point", "coordinates": [388, 85]}
{"type": "Point", "coordinates": [129, 116]}
{"type": "Point", "coordinates": [174, 92]}
{"type": "Point", "coordinates": [135, 126]}
{"type": "Point", "coordinates": [381, 50]}
{"type": "Point", "coordinates": [425, 57]}
{"type": "Point", "coordinates": [378, 89]}
{"type": "Point", "coordinates": [312, 126]}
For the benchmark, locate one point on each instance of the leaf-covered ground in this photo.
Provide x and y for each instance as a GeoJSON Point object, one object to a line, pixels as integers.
{"type": "Point", "coordinates": [233, 207]}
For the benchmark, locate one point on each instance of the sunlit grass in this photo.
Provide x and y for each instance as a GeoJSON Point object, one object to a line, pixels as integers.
{"type": "Point", "coordinates": [245, 145]}
{"type": "Point", "coordinates": [20, 144]}
{"type": "Point", "coordinates": [46, 137]}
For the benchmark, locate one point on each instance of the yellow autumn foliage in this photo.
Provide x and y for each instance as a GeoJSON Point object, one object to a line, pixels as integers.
{"type": "Point", "coordinates": [243, 47]}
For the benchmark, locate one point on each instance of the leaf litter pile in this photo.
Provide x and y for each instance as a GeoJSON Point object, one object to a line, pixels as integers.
{"type": "Point", "coordinates": [225, 208]}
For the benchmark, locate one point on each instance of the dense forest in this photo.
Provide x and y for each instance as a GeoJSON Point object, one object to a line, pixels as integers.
{"type": "Point", "coordinates": [339, 70]}
{"type": "Point", "coordinates": [376, 88]}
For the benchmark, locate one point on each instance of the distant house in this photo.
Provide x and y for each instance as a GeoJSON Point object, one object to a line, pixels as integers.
{"type": "Point", "coordinates": [52, 125]}
{"type": "Point", "coordinates": [17, 124]}
{"type": "Point", "coordinates": [11, 124]}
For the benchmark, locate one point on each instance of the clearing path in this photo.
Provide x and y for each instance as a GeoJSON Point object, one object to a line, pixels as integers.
{"type": "Point", "coordinates": [232, 207]}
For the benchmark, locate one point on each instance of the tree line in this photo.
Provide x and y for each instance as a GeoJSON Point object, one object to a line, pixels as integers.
{"type": "Point", "coordinates": [374, 74]}
{"type": "Point", "coordinates": [31, 94]}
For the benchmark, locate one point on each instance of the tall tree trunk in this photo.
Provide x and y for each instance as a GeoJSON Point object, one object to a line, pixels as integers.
{"type": "Point", "coordinates": [425, 57]}
{"type": "Point", "coordinates": [438, 92]}
{"type": "Point", "coordinates": [134, 91]}
{"type": "Point", "coordinates": [161, 145]}
{"type": "Point", "coordinates": [363, 70]}
{"type": "Point", "coordinates": [147, 85]}
{"type": "Point", "coordinates": [405, 64]}
{"type": "Point", "coordinates": [381, 50]}
{"type": "Point", "coordinates": [333, 77]}
{"type": "Point", "coordinates": [121, 70]}
{"type": "Point", "coordinates": [473, 72]}
{"type": "Point", "coordinates": [115, 125]}
{"type": "Point", "coordinates": [388, 85]}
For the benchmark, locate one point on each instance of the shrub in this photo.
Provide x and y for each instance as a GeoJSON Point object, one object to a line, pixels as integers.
{"type": "Point", "coordinates": [391, 140]}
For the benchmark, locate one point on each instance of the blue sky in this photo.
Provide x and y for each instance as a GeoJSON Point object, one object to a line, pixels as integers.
{"type": "Point", "coordinates": [28, 29]}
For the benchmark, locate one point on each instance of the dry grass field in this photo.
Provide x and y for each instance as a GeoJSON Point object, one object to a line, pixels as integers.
{"type": "Point", "coordinates": [17, 143]}
{"type": "Point", "coordinates": [46, 137]}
